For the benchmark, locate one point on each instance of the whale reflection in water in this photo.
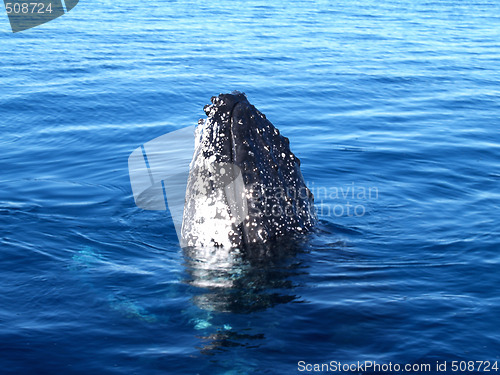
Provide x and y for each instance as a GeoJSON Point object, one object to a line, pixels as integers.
{"type": "Point", "coordinates": [241, 283]}
{"type": "Point", "coordinates": [233, 281]}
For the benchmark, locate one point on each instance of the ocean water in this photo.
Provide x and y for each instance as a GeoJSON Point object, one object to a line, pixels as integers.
{"type": "Point", "coordinates": [393, 108]}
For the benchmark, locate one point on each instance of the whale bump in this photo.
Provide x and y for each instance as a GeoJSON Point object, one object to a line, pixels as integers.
{"type": "Point", "coordinates": [245, 187]}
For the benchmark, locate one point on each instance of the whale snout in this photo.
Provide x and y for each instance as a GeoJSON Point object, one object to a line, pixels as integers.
{"type": "Point", "coordinates": [245, 186]}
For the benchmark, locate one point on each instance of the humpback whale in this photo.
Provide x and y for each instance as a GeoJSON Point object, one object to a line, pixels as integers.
{"type": "Point", "coordinates": [245, 187]}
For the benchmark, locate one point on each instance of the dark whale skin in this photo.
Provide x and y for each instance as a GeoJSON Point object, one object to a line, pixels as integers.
{"type": "Point", "coordinates": [278, 202]}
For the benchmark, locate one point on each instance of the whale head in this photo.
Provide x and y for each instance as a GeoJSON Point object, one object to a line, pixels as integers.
{"type": "Point", "coordinates": [245, 186]}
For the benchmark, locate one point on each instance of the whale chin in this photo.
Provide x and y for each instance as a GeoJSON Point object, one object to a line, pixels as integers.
{"type": "Point", "coordinates": [245, 187]}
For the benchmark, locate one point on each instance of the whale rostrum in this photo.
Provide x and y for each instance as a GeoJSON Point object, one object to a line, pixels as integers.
{"type": "Point", "coordinates": [245, 186]}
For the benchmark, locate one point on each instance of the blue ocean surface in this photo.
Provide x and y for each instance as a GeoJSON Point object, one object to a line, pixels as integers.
{"type": "Point", "coordinates": [393, 108]}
